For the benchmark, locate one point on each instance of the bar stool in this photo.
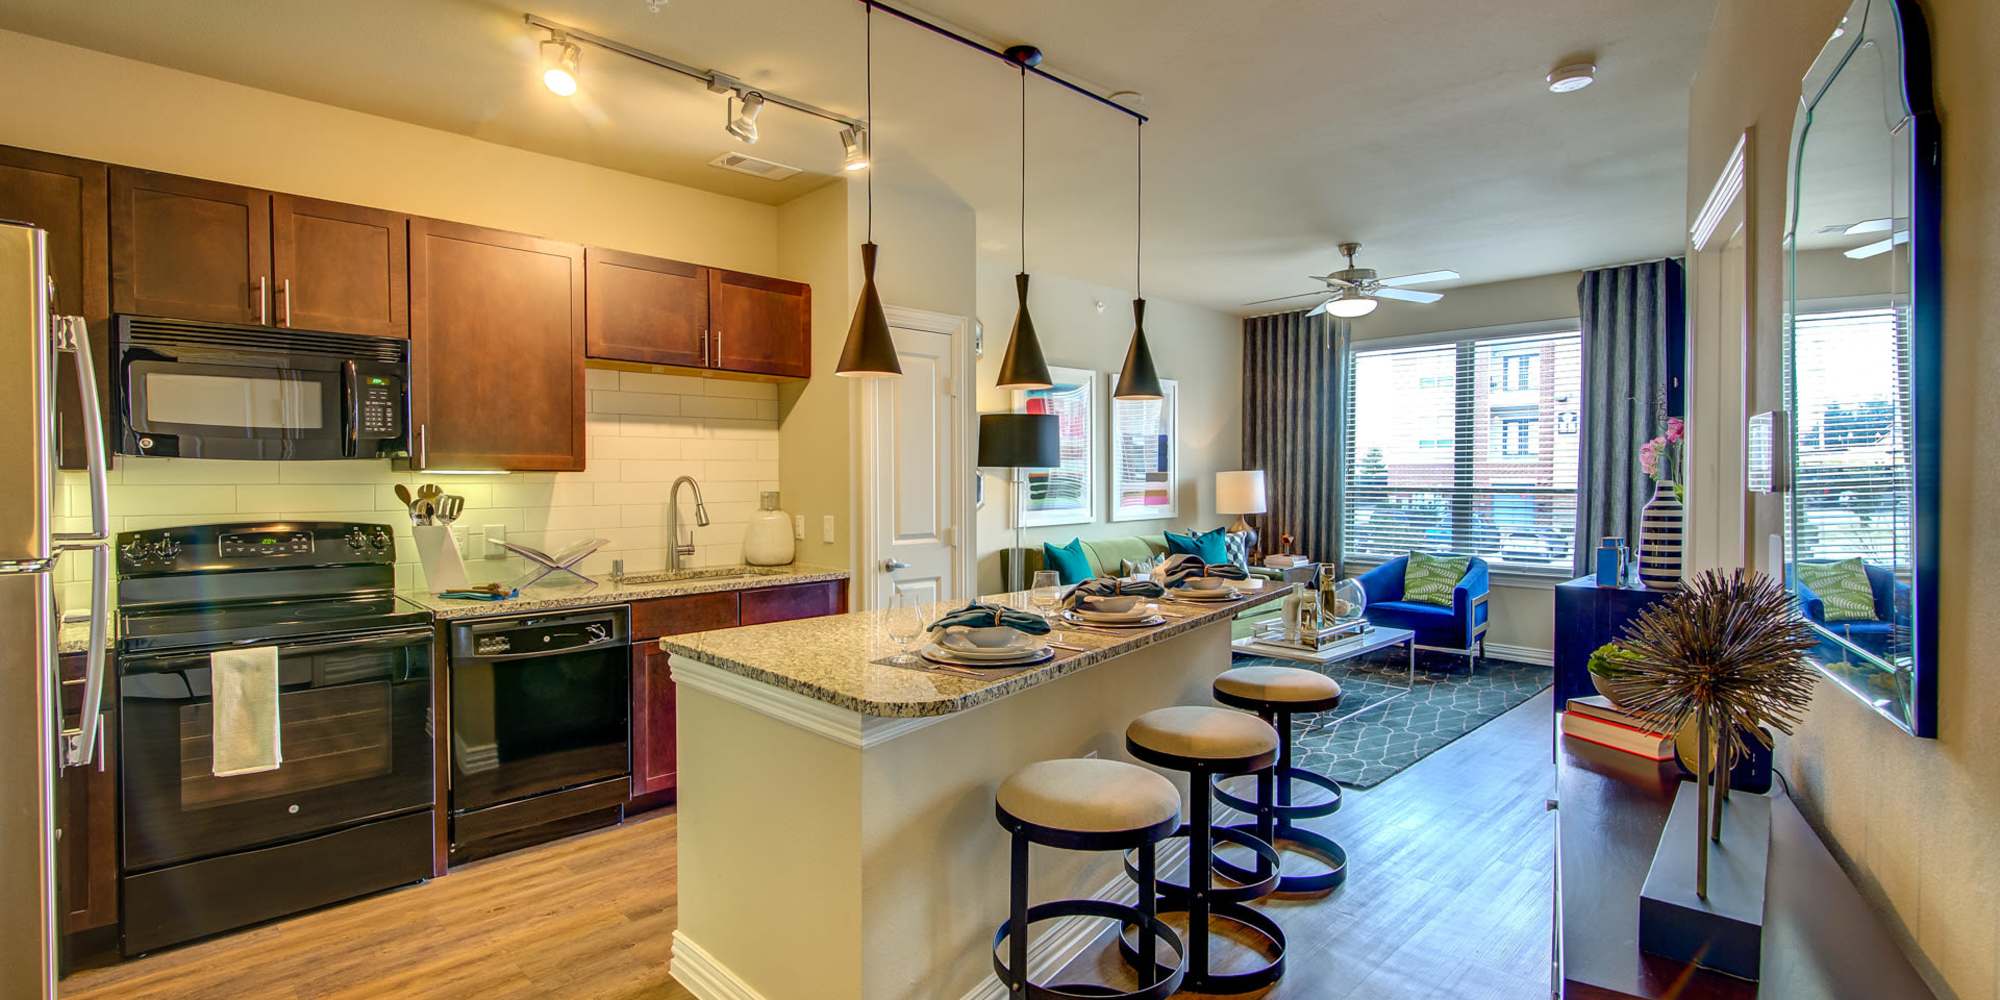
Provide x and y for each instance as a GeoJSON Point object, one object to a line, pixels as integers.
{"type": "Point", "coordinates": [1087, 805]}
{"type": "Point", "coordinates": [1208, 743]}
{"type": "Point", "coordinates": [1276, 694]}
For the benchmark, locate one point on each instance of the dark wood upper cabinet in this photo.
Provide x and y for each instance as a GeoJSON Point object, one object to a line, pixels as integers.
{"type": "Point", "coordinates": [340, 268]}
{"type": "Point", "coordinates": [646, 309]}
{"type": "Point", "coordinates": [189, 248]}
{"type": "Point", "coordinates": [496, 331]}
{"type": "Point", "coordinates": [67, 197]}
{"type": "Point", "coordinates": [760, 325]}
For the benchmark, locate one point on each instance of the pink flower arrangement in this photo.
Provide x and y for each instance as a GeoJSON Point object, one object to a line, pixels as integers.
{"type": "Point", "coordinates": [1659, 457]}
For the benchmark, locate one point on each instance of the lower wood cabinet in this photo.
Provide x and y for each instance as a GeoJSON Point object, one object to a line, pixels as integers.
{"type": "Point", "coordinates": [653, 702]}
{"type": "Point", "coordinates": [87, 809]}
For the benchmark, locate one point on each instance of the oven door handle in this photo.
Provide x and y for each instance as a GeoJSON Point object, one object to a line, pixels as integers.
{"type": "Point", "coordinates": [403, 637]}
{"type": "Point", "coordinates": [350, 390]}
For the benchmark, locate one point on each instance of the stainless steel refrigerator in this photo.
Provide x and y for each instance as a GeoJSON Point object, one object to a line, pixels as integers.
{"type": "Point", "coordinates": [34, 745]}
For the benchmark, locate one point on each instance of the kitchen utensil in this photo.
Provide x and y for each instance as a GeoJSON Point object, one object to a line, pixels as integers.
{"type": "Point", "coordinates": [449, 508]}
{"type": "Point", "coordinates": [403, 494]}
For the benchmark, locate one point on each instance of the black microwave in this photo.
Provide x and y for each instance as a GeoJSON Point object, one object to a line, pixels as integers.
{"type": "Point", "coordinates": [184, 389]}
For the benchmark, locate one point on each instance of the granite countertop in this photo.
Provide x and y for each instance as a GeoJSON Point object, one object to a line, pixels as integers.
{"type": "Point", "coordinates": [833, 659]}
{"type": "Point", "coordinates": [74, 637]}
{"type": "Point", "coordinates": [551, 594]}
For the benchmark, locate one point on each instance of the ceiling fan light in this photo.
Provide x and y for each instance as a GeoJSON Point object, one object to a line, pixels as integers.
{"type": "Point", "coordinates": [853, 152]}
{"type": "Point", "coordinates": [1351, 307]}
{"type": "Point", "coordinates": [559, 64]}
{"type": "Point", "coordinates": [1022, 367]}
{"type": "Point", "coordinates": [743, 124]}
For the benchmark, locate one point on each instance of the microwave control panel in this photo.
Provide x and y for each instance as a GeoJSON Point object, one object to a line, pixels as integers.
{"type": "Point", "coordinates": [380, 406]}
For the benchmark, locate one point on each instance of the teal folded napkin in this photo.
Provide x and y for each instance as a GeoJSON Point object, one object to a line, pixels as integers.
{"type": "Point", "coordinates": [1112, 588]}
{"type": "Point", "coordinates": [1180, 569]}
{"type": "Point", "coordinates": [977, 615]}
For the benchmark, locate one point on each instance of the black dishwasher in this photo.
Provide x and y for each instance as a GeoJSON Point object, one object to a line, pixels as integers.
{"type": "Point", "coordinates": [540, 720]}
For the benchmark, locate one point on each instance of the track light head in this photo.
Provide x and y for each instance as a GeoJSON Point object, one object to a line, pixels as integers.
{"type": "Point", "coordinates": [743, 124]}
{"type": "Point", "coordinates": [853, 150]}
{"type": "Point", "coordinates": [559, 63]}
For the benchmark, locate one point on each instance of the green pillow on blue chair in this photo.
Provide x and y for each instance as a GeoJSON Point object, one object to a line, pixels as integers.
{"type": "Point", "coordinates": [1069, 561]}
{"type": "Point", "coordinates": [1429, 579]}
{"type": "Point", "coordinates": [1208, 546]}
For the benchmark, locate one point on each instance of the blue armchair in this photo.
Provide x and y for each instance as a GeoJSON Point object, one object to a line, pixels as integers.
{"type": "Point", "coordinates": [1875, 636]}
{"type": "Point", "coordinates": [1459, 629]}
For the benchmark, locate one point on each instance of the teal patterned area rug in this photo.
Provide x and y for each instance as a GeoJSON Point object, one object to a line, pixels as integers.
{"type": "Point", "coordinates": [1372, 747]}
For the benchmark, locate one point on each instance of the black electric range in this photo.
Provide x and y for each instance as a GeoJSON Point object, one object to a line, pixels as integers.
{"type": "Point", "coordinates": [347, 810]}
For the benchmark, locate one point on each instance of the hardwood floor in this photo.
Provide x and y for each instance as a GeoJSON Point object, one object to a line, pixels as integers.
{"type": "Point", "coordinates": [1449, 896]}
{"type": "Point", "coordinates": [591, 916]}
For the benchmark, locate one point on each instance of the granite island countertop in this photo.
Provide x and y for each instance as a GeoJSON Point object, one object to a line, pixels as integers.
{"type": "Point", "coordinates": [551, 594]}
{"type": "Point", "coordinates": [834, 659]}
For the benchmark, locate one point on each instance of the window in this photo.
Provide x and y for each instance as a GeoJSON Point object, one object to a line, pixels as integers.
{"type": "Point", "coordinates": [1465, 445]}
{"type": "Point", "coordinates": [1853, 491]}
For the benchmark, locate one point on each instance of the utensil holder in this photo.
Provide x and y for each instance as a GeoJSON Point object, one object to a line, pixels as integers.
{"type": "Point", "coordinates": [438, 551]}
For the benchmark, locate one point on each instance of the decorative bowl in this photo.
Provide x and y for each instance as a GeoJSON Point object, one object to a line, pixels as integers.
{"type": "Point", "coordinates": [1111, 605]}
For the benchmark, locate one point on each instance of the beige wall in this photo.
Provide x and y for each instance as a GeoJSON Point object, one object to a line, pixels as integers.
{"type": "Point", "coordinates": [1200, 348]}
{"type": "Point", "coordinates": [1914, 820]}
{"type": "Point", "coordinates": [1522, 612]}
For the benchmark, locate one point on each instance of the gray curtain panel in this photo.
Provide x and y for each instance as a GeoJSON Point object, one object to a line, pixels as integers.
{"type": "Point", "coordinates": [1629, 315]}
{"type": "Point", "coordinates": [1291, 426]}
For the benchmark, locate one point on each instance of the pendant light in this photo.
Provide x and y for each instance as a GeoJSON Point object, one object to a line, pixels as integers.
{"type": "Point", "coordinates": [1022, 366]}
{"type": "Point", "coordinates": [869, 352]}
{"type": "Point", "coordinates": [1137, 378]}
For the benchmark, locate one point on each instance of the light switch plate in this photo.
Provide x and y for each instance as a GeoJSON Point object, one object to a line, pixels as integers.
{"type": "Point", "coordinates": [496, 534]}
{"type": "Point", "coordinates": [826, 529]}
{"type": "Point", "coordinates": [799, 527]}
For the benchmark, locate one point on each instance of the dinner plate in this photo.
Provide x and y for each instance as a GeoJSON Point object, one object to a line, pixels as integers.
{"type": "Point", "coordinates": [1147, 622]}
{"type": "Point", "coordinates": [1225, 594]}
{"type": "Point", "coordinates": [959, 642]}
{"type": "Point", "coordinates": [936, 654]}
{"type": "Point", "coordinates": [1113, 618]}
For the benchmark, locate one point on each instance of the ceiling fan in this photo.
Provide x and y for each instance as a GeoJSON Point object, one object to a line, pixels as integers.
{"type": "Point", "coordinates": [1355, 291]}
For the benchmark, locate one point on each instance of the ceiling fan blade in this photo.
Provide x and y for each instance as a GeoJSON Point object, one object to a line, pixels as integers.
{"type": "Point", "coordinates": [1316, 310]}
{"type": "Point", "coordinates": [1879, 246]}
{"type": "Point", "coordinates": [1407, 295]}
{"type": "Point", "coordinates": [1282, 298]}
{"type": "Point", "coordinates": [1420, 278]}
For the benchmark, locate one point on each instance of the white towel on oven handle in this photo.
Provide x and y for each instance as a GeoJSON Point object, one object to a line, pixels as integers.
{"type": "Point", "coordinates": [244, 685]}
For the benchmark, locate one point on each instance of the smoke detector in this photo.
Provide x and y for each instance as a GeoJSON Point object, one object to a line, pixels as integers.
{"type": "Point", "coordinates": [770, 170]}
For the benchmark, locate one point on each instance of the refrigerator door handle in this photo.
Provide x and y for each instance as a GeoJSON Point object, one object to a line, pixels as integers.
{"type": "Point", "coordinates": [72, 335]}
{"type": "Point", "coordinates": [80, 746]}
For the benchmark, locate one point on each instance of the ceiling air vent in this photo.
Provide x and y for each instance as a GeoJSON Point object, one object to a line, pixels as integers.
{"type": "Point", "coordinates": [753, 166]}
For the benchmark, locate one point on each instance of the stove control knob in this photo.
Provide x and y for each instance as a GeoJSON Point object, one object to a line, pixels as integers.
{"type": "Point", "coordinates": [165, 549]}
{"type": "Point", "coordinates": [380, 539]}
{"type": "Point", "coordinates": [134, 551]}
{"type": "Point", "coordinates": [356, 540]}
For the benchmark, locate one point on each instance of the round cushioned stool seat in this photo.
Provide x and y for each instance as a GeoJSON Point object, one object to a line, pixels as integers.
{"type": "Point", "coordinates": [1088, 795]}
{"type": "Point", "coordinates": [1277, 684]}
{"type": "Point", "coordinates": [1201, 732]}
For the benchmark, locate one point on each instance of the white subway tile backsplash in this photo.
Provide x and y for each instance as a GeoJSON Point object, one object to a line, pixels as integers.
{"type": "Point", "coordinates": [643, 431]}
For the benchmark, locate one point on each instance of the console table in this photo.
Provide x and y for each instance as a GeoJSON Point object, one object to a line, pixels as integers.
{"type": "Point", "coordinates": [1821, 939]}
{"type": "Point", "coordinates": [1588, 616]}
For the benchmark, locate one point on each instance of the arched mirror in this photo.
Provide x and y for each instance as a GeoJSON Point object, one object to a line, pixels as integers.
{"type": "Point", "coordinates": [1862, 361]}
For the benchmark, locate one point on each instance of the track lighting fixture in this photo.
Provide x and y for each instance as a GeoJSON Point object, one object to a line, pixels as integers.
{"type": "Point", "coordinates": [743, 124]}
{"type": "Point", "coordinates": [853, 155]}
{"type": "Point", "coordinates": [559, 60]}
{"type": "Point", "coordinates": [870, 350]}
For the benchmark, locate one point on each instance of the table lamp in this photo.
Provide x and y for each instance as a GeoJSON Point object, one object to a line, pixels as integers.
{"type": "Point", "coordinates": [1017, 441]}
{"type": "Point", "coordinates": [1241, 492]}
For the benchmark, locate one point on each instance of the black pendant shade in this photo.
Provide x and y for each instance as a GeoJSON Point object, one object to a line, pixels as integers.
{"type": "Point", "coordinates": [1019, 441]}
{"type": "Point", "coordinates": [1022, 366]}
{"type": "Point", "coordinates": [869, 352]}
{"type": "Point", "coordinates": [1138, 379]}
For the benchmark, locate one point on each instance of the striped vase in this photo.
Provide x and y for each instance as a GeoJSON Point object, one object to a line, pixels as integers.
{"type": "Point", "coordinates": [1660, 539]}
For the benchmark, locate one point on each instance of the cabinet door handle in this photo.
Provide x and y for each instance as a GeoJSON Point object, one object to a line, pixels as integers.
{"type": "Point", "coordinates": [288, 302]}
{"type": "Point", "coordinates": [263, 301]}
{"type": "Point", "coordinates": [718, 347]}
{"type": "Point", "coordinates": [423, 446]}
{"type": "Point", "coordinates": [704, 349]}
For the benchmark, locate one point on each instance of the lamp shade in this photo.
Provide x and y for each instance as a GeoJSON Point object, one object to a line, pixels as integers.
{"type": "Point", "coordinates": [1019, 440]}
{"type": "Point", "coordinates": [1138, 379]}
{"type": "Point", "coordinates": [870, 352]}
{"type": "Point", "coordinates": [1240, 492]}
{"type": "Point", "coordinates": [1022, 366]}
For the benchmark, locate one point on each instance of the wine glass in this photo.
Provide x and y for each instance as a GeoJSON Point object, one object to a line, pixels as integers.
{"type": "Point", "coordinates": [1046, 592]}
{"type": "Point", "coordinates": [904, 623]}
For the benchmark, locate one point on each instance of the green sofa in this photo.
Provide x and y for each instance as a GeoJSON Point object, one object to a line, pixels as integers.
{"type": "Point", "coordinates": [1108, 555]}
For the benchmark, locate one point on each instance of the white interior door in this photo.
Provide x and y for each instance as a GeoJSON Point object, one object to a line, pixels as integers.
{"type": "Point", "coordinates": [915, 489]}
{"type": "Point", "coordinates": [1718, 380]}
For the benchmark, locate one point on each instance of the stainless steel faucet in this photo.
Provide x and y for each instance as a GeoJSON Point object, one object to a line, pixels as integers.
{"type": "Point", "coordinates": [676, 551]}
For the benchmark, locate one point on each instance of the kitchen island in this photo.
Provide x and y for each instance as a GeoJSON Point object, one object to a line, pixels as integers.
{"type": "Point", "coordinates": [836, 827]}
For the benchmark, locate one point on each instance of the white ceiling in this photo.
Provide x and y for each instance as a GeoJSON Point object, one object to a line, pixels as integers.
{"type": "Point", "coordinates": [1421, 128]}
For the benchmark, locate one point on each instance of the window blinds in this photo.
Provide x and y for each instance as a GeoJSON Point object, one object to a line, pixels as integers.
{"type": "Point", "coordinates": [1853, 487]}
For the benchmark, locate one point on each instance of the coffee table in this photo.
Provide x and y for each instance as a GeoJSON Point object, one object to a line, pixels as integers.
{"type": "Point", "coordinates": [1379, 637]}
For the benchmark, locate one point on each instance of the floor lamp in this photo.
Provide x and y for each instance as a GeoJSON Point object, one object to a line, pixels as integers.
{"type": "Point", "coordinates": [1017, 441]}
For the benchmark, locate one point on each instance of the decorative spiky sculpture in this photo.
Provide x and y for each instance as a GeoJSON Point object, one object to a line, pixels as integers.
{"type": "Point", "coordinates": [1727, 652]}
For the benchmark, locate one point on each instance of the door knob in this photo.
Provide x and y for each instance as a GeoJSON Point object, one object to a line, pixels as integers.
{"type": "Point", "coordinates": [892, 565]}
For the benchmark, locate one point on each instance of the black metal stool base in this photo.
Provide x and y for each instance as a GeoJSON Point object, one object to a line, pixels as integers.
{"type": "Point", "coordinates": [1250, 885]}
{"type": "Point", "coordinates": [1317, 845]}
{"type": "Point", "coordinates": [1171, 977]}
{"type": "Point", "coordinates": [1203, 981]}
{"type": "Point", "coordinates": [1286, 812]}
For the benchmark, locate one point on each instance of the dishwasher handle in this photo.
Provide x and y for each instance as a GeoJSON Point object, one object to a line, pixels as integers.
{"type": "Point", "coordinates": [545, 635]}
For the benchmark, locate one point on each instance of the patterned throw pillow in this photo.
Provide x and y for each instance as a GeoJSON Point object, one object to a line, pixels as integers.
{"type": "Point", "coordinates": [1238, 546]}
{"type": "Point", "coordinates": [1431, 579]}
{"type": "Point", "coordinates": [1843, 587]}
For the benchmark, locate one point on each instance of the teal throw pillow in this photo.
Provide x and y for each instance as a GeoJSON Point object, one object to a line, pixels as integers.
{"type": "Point", "coordinates": [1843, 587]}
{"type": "Point", "coordinates": [1431, 579]}
{"type": "Point", "coordinates": [1209, 546]}
{"type": "Point", "coordinates": [1068, 561]}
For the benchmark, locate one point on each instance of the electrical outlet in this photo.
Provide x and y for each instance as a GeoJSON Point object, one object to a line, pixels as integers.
{"type": "Point", "coordinates": [799, 527]}
{"type": "Point", "coordinates": [474, 543]}
{"type": "Point", "coordinates": [826, 529]}
{"type": "Point", "coordinates": [496, 534]}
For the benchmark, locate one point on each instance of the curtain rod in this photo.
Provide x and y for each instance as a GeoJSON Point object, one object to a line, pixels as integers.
{"type": "Point", "coordinates": [1001, 55]}
{"type": "Point", "coordinates": [715, 79]}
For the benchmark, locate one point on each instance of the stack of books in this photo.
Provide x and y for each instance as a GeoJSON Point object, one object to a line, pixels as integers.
{"type": "Point", "coordinates": [1594, 720]}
